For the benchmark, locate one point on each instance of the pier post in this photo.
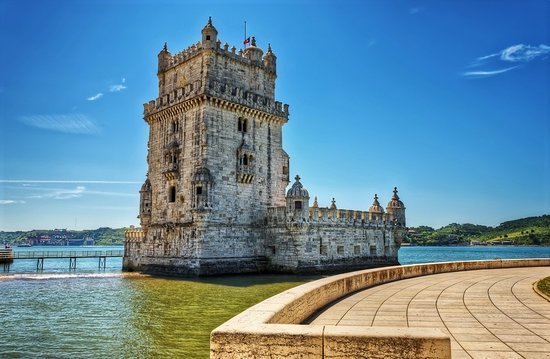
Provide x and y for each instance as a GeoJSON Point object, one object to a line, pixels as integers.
{"type": "Point", "coordinates": [102, 262]}
{"type": "Point", "coordinates": [72, 263]}
{"type": "Point", "coordinates": [39, 264]}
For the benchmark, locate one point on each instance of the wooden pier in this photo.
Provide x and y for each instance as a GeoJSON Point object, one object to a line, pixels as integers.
{"type": "Point", "coordinates": [39, 256]}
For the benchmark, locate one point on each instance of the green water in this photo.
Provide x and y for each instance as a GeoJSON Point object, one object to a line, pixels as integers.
{"type": "Point", "coordinates": [117, 316]}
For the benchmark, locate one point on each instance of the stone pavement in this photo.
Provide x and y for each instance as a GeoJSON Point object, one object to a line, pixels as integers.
{"type": "Point", "coordinates": [491, 313]}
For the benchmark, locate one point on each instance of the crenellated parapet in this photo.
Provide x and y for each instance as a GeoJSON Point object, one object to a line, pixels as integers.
{"type": "Point", "coordinates": [326, 216]}
{"type": "Point", "coordinates": [134, 235]}
{"type": "Point", "coordinates": [219, 91]}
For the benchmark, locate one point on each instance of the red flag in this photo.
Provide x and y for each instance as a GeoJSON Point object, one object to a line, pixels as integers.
{"type": "Point", "coordinates": [246, 41]}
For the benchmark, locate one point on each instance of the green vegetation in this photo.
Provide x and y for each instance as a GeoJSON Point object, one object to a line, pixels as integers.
{"type": "Point", "coordinates": [100, 236]}
{"type": "Point", "coordinates": [544, 286]}
{"type": "Point", "coordinates": [526, 231]}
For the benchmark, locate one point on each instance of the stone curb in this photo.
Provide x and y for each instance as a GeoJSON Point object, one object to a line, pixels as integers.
{"type": "Point", "coordinates": [536, 289]}
{"type": "Point", "coordinates": [271, 328]}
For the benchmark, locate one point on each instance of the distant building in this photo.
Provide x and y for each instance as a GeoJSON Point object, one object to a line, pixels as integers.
{"type": "Point", "coordinates": [214, 200]}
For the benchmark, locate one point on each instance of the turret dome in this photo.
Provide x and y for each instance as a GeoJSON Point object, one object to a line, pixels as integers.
{"type": "Point", "coordinates": [395, 202]}
{"type": "Point", "coordinates": [146, 187]}
{"type": "Point", "coordinates": [376, 207]}
{"type": "Point", "coordinates": [297, 189]}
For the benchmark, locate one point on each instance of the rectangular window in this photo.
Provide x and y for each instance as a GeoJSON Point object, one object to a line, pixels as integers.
{"type": "Point", "coordinates": [356, 250]}
{"type": "Point", "coordinates": [340, 250]}
{"type": "Point", "coordinates": [199, 190]}
{"type": "Point", "coordinates": [298, 205]}
{"type": "Point", "coordinates": [323, 250]}
{"type": "Point", "coordinates": [373, 251]}
{"type": "Point", "coordinates": [172, 194]}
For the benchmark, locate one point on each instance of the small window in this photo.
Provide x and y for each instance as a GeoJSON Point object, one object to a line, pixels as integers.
{"type": "Point", "coordinates": [340, 249]}
{"type": "Point", "coordinates": [373, 250]}
{"type": "Point", "coordinates": [241, 125]}
{"type": "Point", "coordinates": [356, 250]}
{"type": "Point", "coordinates": [207, 37]}
{"type": "Point", "coordinates": [199, 190]}
{"type": "Point", "coordinates": [323, 250]}
{"type": "Point", "coordinates": [298, 205]}
{"type": "Point", "coordinates": [172, 194]}
{"type": "Point", "coordinates": [285, 170]}
{"type": "Point", "coordinates": [245, 160]}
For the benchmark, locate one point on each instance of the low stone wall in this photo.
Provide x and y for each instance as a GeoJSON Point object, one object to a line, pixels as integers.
{"type": "Point", "coordinates": [270, 328]}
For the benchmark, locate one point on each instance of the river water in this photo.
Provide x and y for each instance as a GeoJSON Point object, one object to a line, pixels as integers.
{"type": "Point", "coordinates": [90, 313]}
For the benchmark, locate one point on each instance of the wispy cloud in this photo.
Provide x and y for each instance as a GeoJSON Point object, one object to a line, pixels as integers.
{"type": "Point", "coordinates": [9, 201]}
{"type": "Point", "coordinates": [514, 54]}
{"type": "Point", "coordinates": [76, 123]}
{"type": "Point", "coordinates": [116, 88]}
{"type": "Point", "coordinates": [97, 96]}
{"type": "Point", "coordinates": [26, 181]}
{"type": "Point", "coordinates": [488, 73]}
{"type": "Point", "coordinates": [56, 193]}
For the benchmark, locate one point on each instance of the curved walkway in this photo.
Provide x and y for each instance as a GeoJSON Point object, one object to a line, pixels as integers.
{"type": "Point", "coordinates": [491, 313]}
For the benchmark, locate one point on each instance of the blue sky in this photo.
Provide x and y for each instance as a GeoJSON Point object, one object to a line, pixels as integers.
{"type": "Point", "coordinates": [448, 100]}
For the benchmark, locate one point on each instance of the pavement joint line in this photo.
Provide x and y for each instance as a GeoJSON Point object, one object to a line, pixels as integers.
{"type": "Point", "coordinates": [463, 303]}
{"type": "Point", "coordinates": [517, 299]}
{"type": "Point", "coordinates": [492, 303]}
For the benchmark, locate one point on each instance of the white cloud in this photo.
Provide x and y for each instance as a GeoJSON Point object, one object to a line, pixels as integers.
{"type": "Point", "coordinates": [95, 97]}
{"type": "Point", "coordinates": [487, 73]}
{"type": "Point", "coordinates": [495, 62]}
{"type": "Point", "coordinates": [116, 88]}
{"type": "Point", "coordinates": [523, 53]}
{"type": "Point", "coordinates": [9, 201]}
{"type": "Point", "coordinates": [123, 79]}
{"type": "Point", "coordinates": [67, 123]}
{"type": "Point", "coordinates": [56, 193]}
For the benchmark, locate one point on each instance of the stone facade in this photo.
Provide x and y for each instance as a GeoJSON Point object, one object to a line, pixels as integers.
{"type": "Point", "coordinates": [214, 199]}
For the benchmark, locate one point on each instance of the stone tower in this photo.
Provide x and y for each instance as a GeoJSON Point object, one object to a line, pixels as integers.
{"type": "Point", "coordinates": [215, 161]}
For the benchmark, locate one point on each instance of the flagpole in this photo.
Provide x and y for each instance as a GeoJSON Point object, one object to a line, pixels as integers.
{"type": "Point", "coordinates": [245, 35]}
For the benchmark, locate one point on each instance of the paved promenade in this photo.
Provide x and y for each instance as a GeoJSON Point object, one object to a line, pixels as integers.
{"type": "Point", "coordinates": [487, 313]}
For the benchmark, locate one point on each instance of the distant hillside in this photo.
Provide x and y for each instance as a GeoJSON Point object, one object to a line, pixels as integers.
{"type": "Point", "coordinates": [100, 236]}
{"type": "Point", "coordinates": [525, 231]}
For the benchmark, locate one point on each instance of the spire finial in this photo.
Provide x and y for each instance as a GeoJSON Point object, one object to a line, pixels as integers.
{"type": "Point", "coordinates": [165, 47]}
{"type": "Point", "coordinates": [333, 205]}
{"type": "Point", "coordinates": [253, 42]}
{"type": "Point", "coordinates": [297, 178]}
{"type": "Point", "coordinates": [315, 204]}
{"type": "Point", "coordinates": [395, 196]}
{"type": "Point", "coordinates": [268, 47]}
{"type": "Point", "coordinates": [210, 20]}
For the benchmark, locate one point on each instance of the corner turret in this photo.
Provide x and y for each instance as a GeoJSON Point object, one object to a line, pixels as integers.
{"type": "Point", "coordinates": [164, 57]}
{"type": "Point", "coordinates": [209, 35]}
{"type": "Point", "coordinates": [252, 52]}
{"type": "Point", "coordinates": [145, 202]}
{"type": "Point", "coordinates": [270, 60]}
{"type": "Point", "coordinates": [297, 200]}
{"type": "Point", "coordinates": [376, 212]}
{"type": "Point", "coordinates": [396, 209]}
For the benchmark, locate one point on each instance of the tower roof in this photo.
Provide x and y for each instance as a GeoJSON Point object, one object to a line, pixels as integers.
{"type": "Point", "coordinates": [395, 202]}
{"type": "Point", "coordinates": [376, 207]}
{"type": "Point", "coordinates": [297, 189]}
{"type": "Point", "coordinates": [209, 26]}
